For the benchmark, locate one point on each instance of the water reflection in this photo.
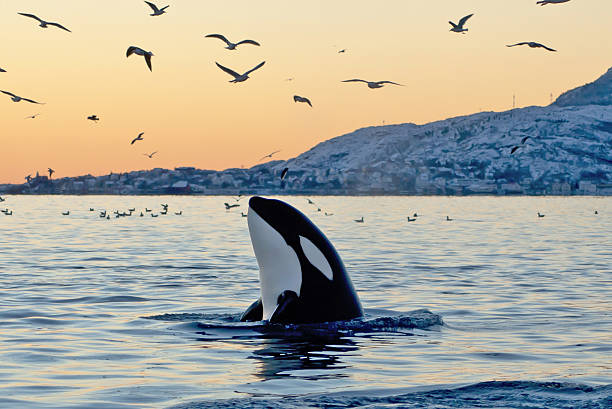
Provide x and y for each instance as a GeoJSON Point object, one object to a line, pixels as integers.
{"type": "Point", "coordinates": [300, 356]}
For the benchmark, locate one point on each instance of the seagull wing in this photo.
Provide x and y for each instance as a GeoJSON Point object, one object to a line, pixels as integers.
{"type": "Point", "coordinates": [153, 154]}
{"type": "Point", "coordinates": [255, 68]}
{"type": "Point", "coordinates": [219, 36]}
{"type": "Point", "coordinates": [546, 48]}
{"type": "Point", "coordinates": [31, 16]}
{"type": "Point", "coordinates": [355, 80]}
{"type": "Point", "coordinates": [133, 140]}
{"type": "Point", "coordinates": [306, 100]}
{"type": "Point", "coordinates": [525, 139]}
{"type": "Point", "coordinates": [8, 93]}
{"type": "Point", "coordinates": [131, 49]}
{"type": "Point", "coordinates": [514, 45]}
{"type": "Point", "coordinates": [464, 19]}
{"type": "Point", "coordinates": [227, 70]}
{"type": "Point", "coordinates": [389, 82]}
{"type": "Point", "coordinates": [140, 134]}
{"type": "Point", "coordinates": [452, 24]}
{"type": "Point", "coordinates": [514, 149]}
{"type": "Point", "coordinates": [2, 70]}
{"type": "Point", "coordinates": [59, 26]}
{"type": "Point", "coordinates": [31, 100]}
{"type": "Point", "coordinates": [248, 42]}
{"type": "Point", "coordinates": [153, 6]}
{"type": "Point", "coordinates": [147, 58]}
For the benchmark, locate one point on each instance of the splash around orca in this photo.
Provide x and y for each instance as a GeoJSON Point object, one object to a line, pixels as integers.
{"type": "Point", "coordinates": [301, 275]}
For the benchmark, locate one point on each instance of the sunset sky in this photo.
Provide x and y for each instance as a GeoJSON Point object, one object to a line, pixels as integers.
{"type": "Point", "coordinates": [192, 116]}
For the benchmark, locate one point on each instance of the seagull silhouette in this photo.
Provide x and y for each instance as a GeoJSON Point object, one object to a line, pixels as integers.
{"type": "Point", "coordinates": [374, 84]}
{"type": "Point", "coordinates": [44, 23]}
{"type": "Point", "coordinates": [139, 51]}
{"type": "Point", "coordinates": [150, 155]}
{"type": "Point", "coordinates": [514, 149]}
{"type": "Point", "coordinates": [51, 172]}
{"type": "Point", "coordinates": [532, 45]}
{"type": "Point", "coordinates": [230, 45]}
{"type": "Point", "coordinates": [525, 139]}
{"type": "Point", "coordinates": [268, 155]}
{"type": "Point", "coordinates": [17, 98]}
{"type": "Point", "coordinates": [2, 70]}
{"type": "Point", "coordinates": [297, 98]}
{"type": "Point", "coordinates": [138, 138]}
{"type": "Point", "coordinates": [239, 77]}
{"type": "Point", "coordinates": [156, 11]}
{"type": "Point", "coordinates": [545, 2]}
{"type": "Point", "coordinates": [458, 28]}
{"type": "Point", "coordinates": [93, 118]}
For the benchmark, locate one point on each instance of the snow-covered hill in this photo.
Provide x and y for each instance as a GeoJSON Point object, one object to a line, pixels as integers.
{"type": "Point", "coordinates": [566, 145]}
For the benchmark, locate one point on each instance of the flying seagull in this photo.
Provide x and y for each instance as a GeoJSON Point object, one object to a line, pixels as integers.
{"type": "Point", "coordinates": [1, 70]}
{"type": "Point", "coordinates": [51, 172]}
{"type": "Point", "coordinates": [545, 2]}
{"type": "Point", "coordinates": [17, 98]}
{"type": "Point", "coordinates": [297, 98]}
{"type": "Point", "coordinates": [156, 11]}
{"type": "Point", "coordinates": [44, 23]}
{"type": "Point", "coordinates": [230, 45]}
{"type": "Point", "coordinates": [239, 77]}
{"type": "Point", "coordinates": [342, 51]}
{"type": "Point", "coordinates": [458, 28]}
{"type": "Point", "coordinates": [138, 138]}
{"type": "Point", "coordinates": [139, 51]}
{"type": "Point", "coordinates": [150, 155]}
{"type": "Point", "coordinates": [532, 45]}
{"type": "Point", "coordinates": [93, 118]}
{"type": "Point", "coordinates": [374, 84]}
{"type": "Point", "coordinates": [268, 155]}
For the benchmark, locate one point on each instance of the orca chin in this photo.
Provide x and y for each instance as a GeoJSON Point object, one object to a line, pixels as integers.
{"type": "Point", "coordinates": [302, 277]}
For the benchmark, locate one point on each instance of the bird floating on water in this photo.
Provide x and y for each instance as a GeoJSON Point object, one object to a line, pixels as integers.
{"type": "Point", "coordinates": [374, 84]}
{"type": "Point", "coordinates": [93, 118]}
{"type": "Point", "coordinates": [239, 77]}
{"type": "Point", "coordinates": [156, 10]}
{"type": "Point", "coordinates": [359, 220]}
{"type": "Point", "coordinates": [2, 199]}
{"type": "Point", "coordinates": [139, 51]}
{"type": "Point", "coordinates": [44, 23]}
{"type": "Point", "coordinates": [150, 155]}
{"type": "Point", "coordinates": [243, 215]}
{"type": "Point", "coordinates": [541, 215]}
{"type": "Point", "coordinates": [138, 138]}
{"type": "Point", "coordinates": [545, 2]}
{"type": "Point", "coordinates": [448, 219]}
{"type": "Point", "coordinates": [411, 220]}
{"type": "Point", "coordinates": [66, 213]}
{"type": "Point", "coordinates": [230, 206]}
{"type": "Point", "coordinates": [179, 213]}
{"type": "Point", "coordinates": [17, 98]}
{"type": "Point", "coordinates": [458, 28]}
{"type": "Point", "coordinates": [230, 45]}
{"type": "Point", "coordinates": [531, 44]}
{"type": "Point", "coordinates": [297, 98]}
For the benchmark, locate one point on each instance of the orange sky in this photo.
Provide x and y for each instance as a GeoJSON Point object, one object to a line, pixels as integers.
{"type": "Point", "coordinates": [194, 117]}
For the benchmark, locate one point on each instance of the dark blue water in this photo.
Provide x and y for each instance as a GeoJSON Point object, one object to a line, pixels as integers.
{"type": "Point", "coordinates": [495, 309]}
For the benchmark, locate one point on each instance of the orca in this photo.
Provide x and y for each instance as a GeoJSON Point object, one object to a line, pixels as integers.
{"type": "Point", "coordinates": [302, 277]}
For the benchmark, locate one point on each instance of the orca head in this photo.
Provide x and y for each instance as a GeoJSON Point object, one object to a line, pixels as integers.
{"type": "Point", "coordinates": [293, 254]}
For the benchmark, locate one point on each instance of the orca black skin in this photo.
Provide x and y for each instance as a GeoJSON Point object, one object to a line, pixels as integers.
{"type": "Point", "coordinates": [302, 277]}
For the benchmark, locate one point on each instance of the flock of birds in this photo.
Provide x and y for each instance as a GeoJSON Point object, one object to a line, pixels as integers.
{"type": "Point", "coordinates": [104, 214]}
{"type": "Point", "coordinates": [459, 27]}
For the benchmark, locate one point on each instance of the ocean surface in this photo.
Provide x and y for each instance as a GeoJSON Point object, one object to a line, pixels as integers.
{"type": "Point", "coordinates": [496, 308]}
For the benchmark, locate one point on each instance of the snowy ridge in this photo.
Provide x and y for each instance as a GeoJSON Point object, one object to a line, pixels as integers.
{"type": "Point", "coordinates": [470, 153]}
